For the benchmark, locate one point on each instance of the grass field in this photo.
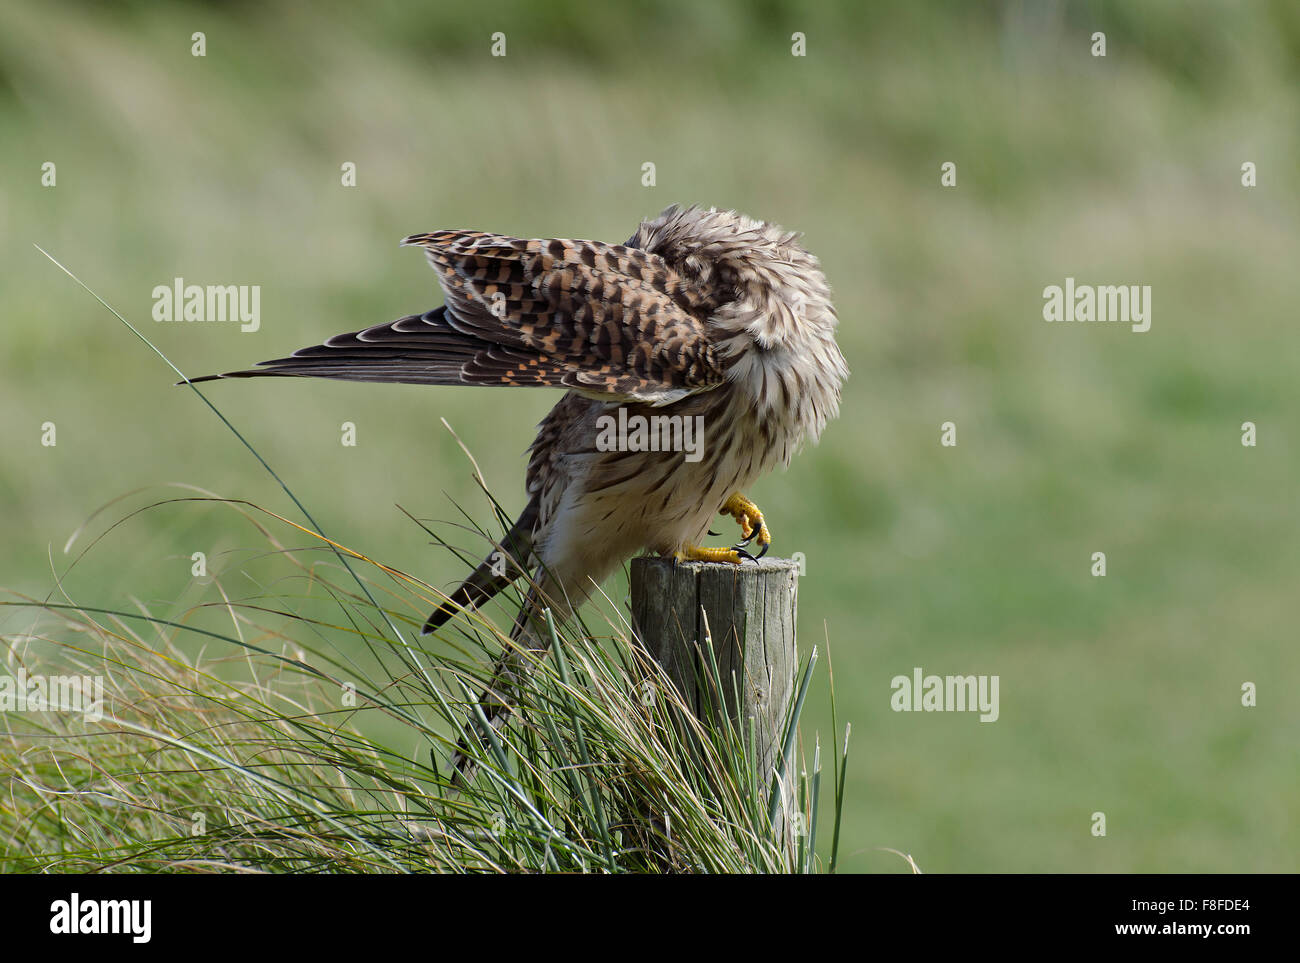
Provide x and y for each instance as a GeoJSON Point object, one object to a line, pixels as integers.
{"type": "Point", "coordinates": [1119, 694]}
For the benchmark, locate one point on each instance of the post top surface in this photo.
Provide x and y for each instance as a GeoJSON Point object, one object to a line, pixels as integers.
{"type": "Point", "coordinates": [761, 565]}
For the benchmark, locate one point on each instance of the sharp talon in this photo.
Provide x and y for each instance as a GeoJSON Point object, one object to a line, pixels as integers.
{"type": "Point", "coordinates": [751, 523]}
{"type": "Point", "coordinates": [731, 556]}
{"type": "Point", "coordinates": [745, 555]}
{"type": "Point", "coordinates": [713, 533]}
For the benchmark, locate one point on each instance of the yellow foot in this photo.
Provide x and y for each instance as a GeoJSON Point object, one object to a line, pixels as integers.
{"type": "Point", "coordinates": [692, 554]}
{"type": "Point", "coordinates": [751, 521]}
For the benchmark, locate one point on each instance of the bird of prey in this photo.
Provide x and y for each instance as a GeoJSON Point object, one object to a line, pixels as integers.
{"type": "Point", "coordinates": [706, 315]}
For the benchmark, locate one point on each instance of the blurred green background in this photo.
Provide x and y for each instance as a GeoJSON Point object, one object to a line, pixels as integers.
{"type": "Point", "coordinates": [1119, 694]}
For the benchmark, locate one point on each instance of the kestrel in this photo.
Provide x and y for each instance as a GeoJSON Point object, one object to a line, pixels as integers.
{"type": "Point", "coordinates": [706, 315]}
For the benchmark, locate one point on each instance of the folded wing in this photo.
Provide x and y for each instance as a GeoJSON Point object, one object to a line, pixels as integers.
{"type": "Point", "coordinates": [605, 319]}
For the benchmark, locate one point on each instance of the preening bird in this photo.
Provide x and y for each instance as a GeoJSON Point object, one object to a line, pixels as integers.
{"type": "Point", "coordinates": [705, 315]}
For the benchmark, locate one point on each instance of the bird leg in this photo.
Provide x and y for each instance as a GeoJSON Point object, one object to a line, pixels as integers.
{"type": "Point", "coordinates": [751, 521]}
{"type": "Point", "coordinates": [691, 553]}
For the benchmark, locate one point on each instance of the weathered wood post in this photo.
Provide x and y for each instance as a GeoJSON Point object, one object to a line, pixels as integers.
{"type": "Point", "coordinates": [749, 611]}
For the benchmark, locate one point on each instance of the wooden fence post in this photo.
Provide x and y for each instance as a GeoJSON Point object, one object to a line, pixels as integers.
{"type": "Point", "coordinates": [749, 611]}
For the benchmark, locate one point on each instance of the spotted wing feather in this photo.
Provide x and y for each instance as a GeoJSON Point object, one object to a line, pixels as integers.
{"type": "Point", "coordinates": [605, 319]}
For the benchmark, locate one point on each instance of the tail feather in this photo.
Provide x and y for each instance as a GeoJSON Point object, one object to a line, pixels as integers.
{"type": "Point", "coordinates": [494, 573]}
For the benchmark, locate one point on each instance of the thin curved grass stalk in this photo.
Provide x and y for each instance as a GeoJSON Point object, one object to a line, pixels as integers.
{"type": "Point", "coordinates": [233, 430]}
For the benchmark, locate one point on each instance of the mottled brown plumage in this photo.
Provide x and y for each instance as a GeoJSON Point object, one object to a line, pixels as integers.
{"type": "Point", "coordinates": [702, 313]}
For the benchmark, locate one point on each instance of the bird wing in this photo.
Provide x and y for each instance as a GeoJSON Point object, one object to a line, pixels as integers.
{"type": "Point", "coordinates": [607, 320]}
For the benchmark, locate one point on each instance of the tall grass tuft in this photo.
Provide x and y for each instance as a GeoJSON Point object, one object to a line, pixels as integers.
{"type": "Point", "coordinates": [290, 730]}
